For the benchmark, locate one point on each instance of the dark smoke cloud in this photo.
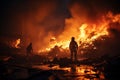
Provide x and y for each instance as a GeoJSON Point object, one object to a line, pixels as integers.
{"type": "Point", "coordinates": [49, 13]}
{"type": "Point", "coordinates": [34, 20]}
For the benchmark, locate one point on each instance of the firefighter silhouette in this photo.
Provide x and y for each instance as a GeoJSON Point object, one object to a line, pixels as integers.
{"type": "Point", "coordinates": [73, 46]}
{"type": "Point", "coordinates": [29, 49]}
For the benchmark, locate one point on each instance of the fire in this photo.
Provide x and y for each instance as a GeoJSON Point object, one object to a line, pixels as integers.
{"type": "Point", "coordinates": [89, 35]}
{"type": "Point", "coordinates": [114, 18]}
{"type": "Point", "coordinates": [84, 33]}
{"type": "Point", "coordinates": [17, 42]}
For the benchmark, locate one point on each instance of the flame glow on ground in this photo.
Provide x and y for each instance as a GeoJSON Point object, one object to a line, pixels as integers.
{"type": "Point", "coordinates": [84, 33]}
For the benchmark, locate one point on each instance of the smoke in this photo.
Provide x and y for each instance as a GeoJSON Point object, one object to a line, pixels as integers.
{"type": "Point", "coordinates": [94, 9]}
{"type": "Point", "coordinates": [42, 20]}
{"type": "Point", "coordinates": [38, 21]}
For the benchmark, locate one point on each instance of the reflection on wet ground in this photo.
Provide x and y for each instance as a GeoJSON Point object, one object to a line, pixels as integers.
{"type": "Point", "coordinates": [104, 70]}
{"type": "Point", "coordinates": [74, 72]}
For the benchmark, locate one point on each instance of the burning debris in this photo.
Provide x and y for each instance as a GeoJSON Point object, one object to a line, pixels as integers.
{"type": "Point", "coordinates": [85, 34]}
{"type": "Point", "coordinates": [10, 42]}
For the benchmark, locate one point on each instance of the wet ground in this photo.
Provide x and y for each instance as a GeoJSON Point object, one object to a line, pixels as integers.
{"type": "Point", "coordinates": [53, 72]}
{"type": "Point", "coordinates": [108, 70]}
{"type": "Point", "coordinates": [74, 72]}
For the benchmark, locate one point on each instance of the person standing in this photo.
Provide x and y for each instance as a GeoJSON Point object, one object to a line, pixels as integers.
{"type": "Point", "coordinates": [29, 49]}
{"type": "Point", "coordinates": [73, 46]}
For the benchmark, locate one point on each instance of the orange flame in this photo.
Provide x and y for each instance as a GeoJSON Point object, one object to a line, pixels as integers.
{"type": "Point", "coordinates": [83, 32]}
